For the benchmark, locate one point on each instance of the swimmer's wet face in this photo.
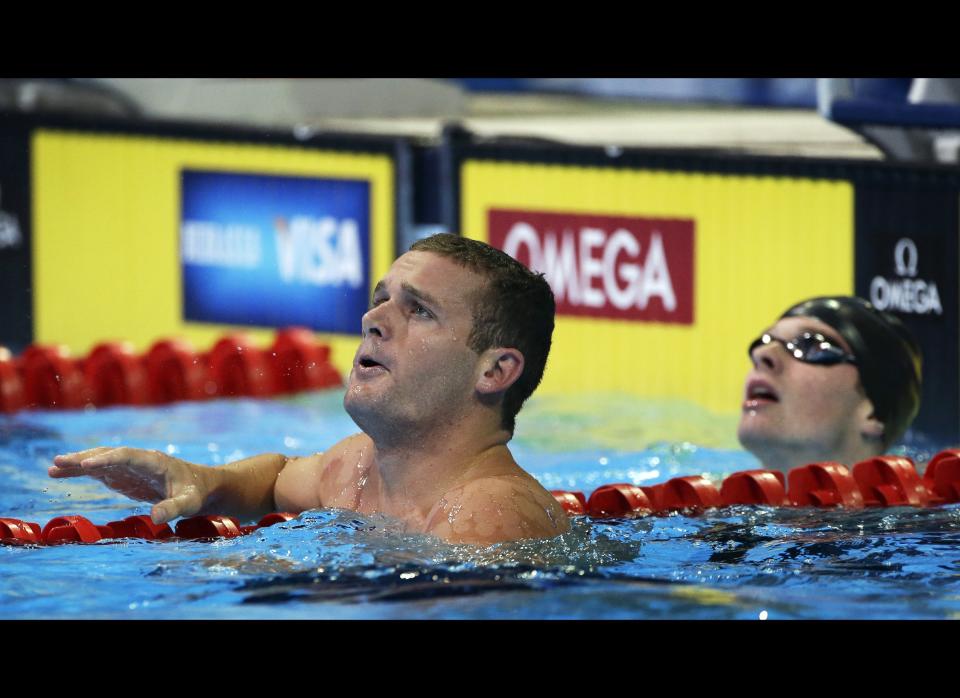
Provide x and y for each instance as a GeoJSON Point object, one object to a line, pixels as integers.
{"type": "Point", "coordinates": [414, 369]}
{"type": "Point", "coordinates": [514, 309]}
{"type": "Point", "coordinates": [796, 412]}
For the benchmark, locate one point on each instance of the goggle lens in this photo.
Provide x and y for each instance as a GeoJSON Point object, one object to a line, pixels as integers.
{"type": "Point", "coordinates": [809, 347]}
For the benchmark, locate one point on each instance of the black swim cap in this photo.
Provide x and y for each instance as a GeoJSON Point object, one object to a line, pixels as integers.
{"type": "Point", "coordinates": [888, 356]}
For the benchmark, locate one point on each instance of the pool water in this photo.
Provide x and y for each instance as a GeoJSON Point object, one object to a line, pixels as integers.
{"type": "Point", "coordinates": [734, 563]}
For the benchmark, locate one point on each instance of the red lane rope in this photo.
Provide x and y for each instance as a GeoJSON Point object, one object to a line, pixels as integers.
{"type": "Point", "coordinates": [78, 529]}
{"type": "Point", "coordinates": [883, 481]}
{"type": "Point", "coordinates": [48, 377]}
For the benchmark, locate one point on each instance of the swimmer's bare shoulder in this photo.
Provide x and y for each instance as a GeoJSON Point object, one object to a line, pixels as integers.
{"type": "Point", "coordinates": [314, 481]}
{"type": "Point", "coordinates": [497, 508]}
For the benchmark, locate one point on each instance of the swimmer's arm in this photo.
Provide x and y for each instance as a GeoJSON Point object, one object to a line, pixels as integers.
{"type": "Point", "coordinates": [245, 488]}
{"type": "Point", "coordinates": [301, 484]}
{"type": "Point", "coordinates": [178, 488]}
{"type": "Point", "coordinates": [296, 487]}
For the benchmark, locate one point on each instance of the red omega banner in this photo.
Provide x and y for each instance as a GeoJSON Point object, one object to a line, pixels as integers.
{"type": "Point", "coordinates": [605, 266]}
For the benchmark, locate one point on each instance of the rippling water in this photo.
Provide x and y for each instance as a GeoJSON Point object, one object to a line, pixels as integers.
{"type": "Point", "coordinates": [738, 562]}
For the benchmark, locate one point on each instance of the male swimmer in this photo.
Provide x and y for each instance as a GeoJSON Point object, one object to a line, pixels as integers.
{"type": "Point", "coordinates": [455, 341]}
{"type": "Point", "coordinates": [834, 379]}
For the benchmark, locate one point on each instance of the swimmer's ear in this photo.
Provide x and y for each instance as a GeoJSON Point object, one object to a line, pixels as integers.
{"type": "Point", "coordinates": [501, 367]}
{"type": "Point", "coordinates": [873, 430]}
{"type": "Point", "coordinates": [871, 427]}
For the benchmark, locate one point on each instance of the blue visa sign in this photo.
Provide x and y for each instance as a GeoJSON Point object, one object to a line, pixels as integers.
{"type": "Point", "coordinates": [271, 251]}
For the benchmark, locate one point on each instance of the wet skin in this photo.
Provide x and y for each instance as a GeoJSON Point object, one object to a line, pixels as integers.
{"type": "Point", "coordinates": [492, 500]}
{"type": "Point", "coordinates": [794, 413]}
{"type": "Point", "coordinates": [433, 453]}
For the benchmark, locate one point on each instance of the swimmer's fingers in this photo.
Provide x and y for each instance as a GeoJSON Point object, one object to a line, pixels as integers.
{"type": "Point", "coordinates": [187, 503]}
{"type": "Point", "coordinates": [178, 487]}
{"type": "Point", "coordinates": [65, 471]}
{"type": "Point", "coordinates": [68, 464]}
{"type": "Point", "coordinates": [78, 456]}
{"type": "Point", "coordinates": [132, 459]}
{"type": "Point", "coordinates": [139, 474]}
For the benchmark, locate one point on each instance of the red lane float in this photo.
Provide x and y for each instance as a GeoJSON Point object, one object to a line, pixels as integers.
{"type": "Point", "coordinates": [12, 396]}
{"type": "Point", "coordinates": [17, 531]}
{"type": "Point", "coordinates": [275, 518]}
{"type": "Point", "coordinates": [175, 372]}
{"type": "Point", "coordinates": [824, 485]}
{"type": "Point", "coordinates": [268, 520]}
{"type": "Point", "coordinates": [574, 503]}
{"type": "Point", "coordinates": [689, 492]}
{"type": "Point", "coordinates": [140, 527]}
{"type": "Point", "coordinates": [942, 476]}
{"type": "Point", "coordinates": [52, 379]}
{"type": "Point", "coordinates": [240, 368]}
{"type": "Point", "coordinates": [617, 500]}
{"type": "Point", "coordinates": [73, 529]}
{"type": "Point", "coordinates": [208, 527]}
{"type": "Point", "coordinates": [299, 363]}
{"type": "Point", "coordinates": [887, 481]}
{"type": "Point", "coordinates": [116, 375]}
{"type": "Point", "coordinates": [755, 487]}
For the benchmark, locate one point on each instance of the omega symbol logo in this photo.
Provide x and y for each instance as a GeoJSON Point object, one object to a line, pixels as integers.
{"type": "Point", "coordinates": [905, 257]}
{"type": "Point", "coordinates": [906, 293]}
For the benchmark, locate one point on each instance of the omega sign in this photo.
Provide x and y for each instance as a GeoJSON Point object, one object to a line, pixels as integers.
{"type": "Point", "coordinates": [605, 266]}
{"type": "Point", "coordinates": [906, 294]}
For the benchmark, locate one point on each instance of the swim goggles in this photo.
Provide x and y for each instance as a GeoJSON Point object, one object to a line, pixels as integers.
{"type": "Point", "coordinates": [809, 347]}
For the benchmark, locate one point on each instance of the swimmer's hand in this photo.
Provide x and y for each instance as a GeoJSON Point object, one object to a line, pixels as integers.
{"type": "Point", "coordinates": [177, 487]}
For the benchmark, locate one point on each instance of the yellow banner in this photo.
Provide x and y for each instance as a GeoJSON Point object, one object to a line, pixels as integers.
{"type": "Point", "coordinates": [106, 220]}
{"type": "Point", "coordinates": [759, 244]}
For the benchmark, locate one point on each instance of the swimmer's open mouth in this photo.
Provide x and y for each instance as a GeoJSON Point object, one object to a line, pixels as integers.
{"type": "Point", "coordinates": [367, 362]}
{"type": "Point", "coordinates": [762, 391]}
